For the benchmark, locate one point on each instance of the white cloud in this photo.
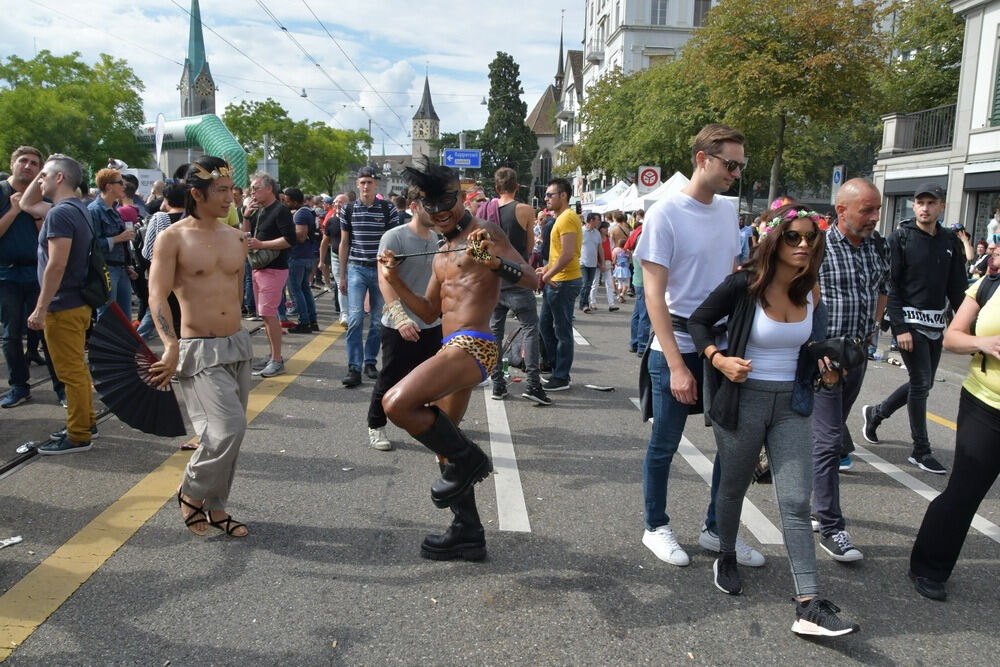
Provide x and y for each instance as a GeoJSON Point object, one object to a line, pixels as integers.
{"type": "Point", "coordinates": [391, 41]}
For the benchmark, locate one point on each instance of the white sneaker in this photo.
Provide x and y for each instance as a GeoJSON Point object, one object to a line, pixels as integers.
{"type": "Point", "coordinates": [343, 319]}
{"type": "Point", "coordinates": [378, 440]}
{"type": "Point", "coordinates": [745, 554]}
{"type": "Point", "coordinates": [663, 543]}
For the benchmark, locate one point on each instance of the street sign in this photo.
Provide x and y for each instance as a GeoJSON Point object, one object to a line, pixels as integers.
{"type": "Point", "coordinates": [839, 172]}
{"type": "Point", "coordinates": [464, 158]}
{"type": "Point", "coordinates": [649, 179]}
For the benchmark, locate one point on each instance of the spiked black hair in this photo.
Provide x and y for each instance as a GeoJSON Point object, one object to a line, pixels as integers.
{"type": "Point", "coordinates": [434, 180]}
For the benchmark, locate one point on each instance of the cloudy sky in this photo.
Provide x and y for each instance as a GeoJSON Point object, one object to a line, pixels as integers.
{"type": "Point", "coordinates": [390, 41]}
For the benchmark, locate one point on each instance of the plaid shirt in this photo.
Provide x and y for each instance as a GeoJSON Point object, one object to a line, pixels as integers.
{"type": "Point", "coordinates": [851, 280]}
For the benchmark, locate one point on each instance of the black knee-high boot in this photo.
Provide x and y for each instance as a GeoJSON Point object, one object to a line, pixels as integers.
{"type": "Point", "coordinates": [467, 463]}
{"type": "Point", "coordinates": [464, 538]}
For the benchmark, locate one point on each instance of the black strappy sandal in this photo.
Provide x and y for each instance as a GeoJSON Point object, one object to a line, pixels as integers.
{"type": "Point", "coordinates": [228, 525]}
{"type": "Point", "coordinates": [192, 519]}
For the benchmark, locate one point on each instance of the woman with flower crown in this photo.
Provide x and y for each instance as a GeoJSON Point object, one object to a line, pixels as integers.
{"type": "Point", "coordinates": [765, 396]}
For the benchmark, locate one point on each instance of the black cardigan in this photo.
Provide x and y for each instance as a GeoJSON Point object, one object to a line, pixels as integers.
{"type": "Point", "coordinates": [732, 298]}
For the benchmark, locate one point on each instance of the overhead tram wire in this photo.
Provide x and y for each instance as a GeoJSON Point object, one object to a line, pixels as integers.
{"type": "Point", "coordinates": [315, 62]}
{"type": "Point", "coordinates": [356, 69]}
{"type": "Point", "coordinates": [259, 66]}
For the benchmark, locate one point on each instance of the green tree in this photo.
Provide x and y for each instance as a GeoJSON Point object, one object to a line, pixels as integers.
{"type": "Point", "coordinates": [59, 104]}
{"type": "Point", "coordinates": [926, 56]}
{"type": "Point", "coordinates": [311, 156]}
{"type": "Point", "coordinates": [776, 66]}
{"type": "Point", "coordinates": [327, 153]}
{"type": "Point", "coordinates": [505, 140]}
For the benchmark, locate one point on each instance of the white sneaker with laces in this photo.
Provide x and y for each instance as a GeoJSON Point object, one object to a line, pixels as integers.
{"type": "Point", "coordinates": [378, 440]}
{"type": "Point", "coordinates": [663, 543]}
{"type": "Point", "coordinates": [745, 554]}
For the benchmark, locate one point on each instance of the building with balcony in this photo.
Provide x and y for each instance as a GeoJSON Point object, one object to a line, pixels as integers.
{"type": "Point", "coordinates": [634, 35]}
{"type": "Point", "coordinates": [956, 146]}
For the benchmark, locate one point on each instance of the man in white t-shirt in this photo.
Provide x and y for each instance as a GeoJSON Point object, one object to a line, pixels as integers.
{"type": "Point", "coordinates": [692, 237]}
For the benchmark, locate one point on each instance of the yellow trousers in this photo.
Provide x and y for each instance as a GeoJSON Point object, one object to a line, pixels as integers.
{"type": "Point", "coordinates": [65, 336]}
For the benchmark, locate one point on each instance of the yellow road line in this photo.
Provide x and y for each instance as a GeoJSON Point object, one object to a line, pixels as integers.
{"type": "Point", "coordinates": [941, 420]}
{"type": "Point", "coordinates": [42, 591]}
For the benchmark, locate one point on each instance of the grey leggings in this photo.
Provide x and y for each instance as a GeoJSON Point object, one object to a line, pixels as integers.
{"type": "Point", "coordinates": [766, 418]}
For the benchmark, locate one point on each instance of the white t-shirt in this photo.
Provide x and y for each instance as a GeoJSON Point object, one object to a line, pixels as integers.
{"type": "Point", "coordinates": [588, 250]}
{"type": "Point", "coordinates": [698, 243]}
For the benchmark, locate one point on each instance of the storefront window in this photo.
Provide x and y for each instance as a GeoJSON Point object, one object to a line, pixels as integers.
{"type": "Point", "coordinates": [986, 205]}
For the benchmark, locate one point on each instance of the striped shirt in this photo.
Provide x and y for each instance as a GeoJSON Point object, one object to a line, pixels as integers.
{"type": "Point", "coordinates": [851, 280]}
{"type": "Point", "coordinates": [367, 225]}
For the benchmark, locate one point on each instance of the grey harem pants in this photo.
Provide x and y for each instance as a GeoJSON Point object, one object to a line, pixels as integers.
{"type": "Point", "coordinates": [214, 377]}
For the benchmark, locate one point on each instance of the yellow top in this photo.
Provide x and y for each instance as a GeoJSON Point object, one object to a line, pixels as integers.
{"type": "Point", "coordinates": [985, 386]}
{"type": "Point", "coordinates": [568, 222]}
{"type": "Point", "coordinates": [233, 218]}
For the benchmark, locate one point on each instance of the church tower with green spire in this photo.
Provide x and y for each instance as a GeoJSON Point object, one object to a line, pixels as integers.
{"type": "Point", "coordinates": [425, 124]}
{"type": "Point", "coordinates": [197, 85]}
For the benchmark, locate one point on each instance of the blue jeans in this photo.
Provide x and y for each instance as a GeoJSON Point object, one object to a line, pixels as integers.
{"type": "Point", "coordinates": [121, 291]}
{"type": "Point", "coordinates": [669, 418]}
{"type": "Point", "coordinates": [248, 302]}
{"type": "Point", "coordinates": [361, 279]}
{"type": "Point", "coordinates": [17, 300]}
{"type": "Point", "coordinates": [555, 325]}
{"type": "Point", "coordinates": [298, 285]}
{"type": "Point", "coordinates": [588, 277]}
{"type": "Point", "coordinates": [639, 325]}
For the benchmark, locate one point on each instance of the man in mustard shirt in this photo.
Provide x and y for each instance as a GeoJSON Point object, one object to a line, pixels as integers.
{"type": "Point", "coordinates": [561, 280]}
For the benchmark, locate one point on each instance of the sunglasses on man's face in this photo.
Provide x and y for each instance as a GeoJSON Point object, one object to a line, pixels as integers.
{"type": "Point", "coordinates": [794, 238]}
{"type": "Point", "coordinates": [444, 203]}
{"type": "Point", "coordinates": [731, 165]}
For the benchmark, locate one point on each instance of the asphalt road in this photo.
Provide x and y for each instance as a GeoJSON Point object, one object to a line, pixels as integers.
{"type": "Point", "coordinates": [331, 573]}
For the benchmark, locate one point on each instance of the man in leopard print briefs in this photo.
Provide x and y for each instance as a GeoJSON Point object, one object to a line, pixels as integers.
{"type": "Point", "coordinates": [430, 402]}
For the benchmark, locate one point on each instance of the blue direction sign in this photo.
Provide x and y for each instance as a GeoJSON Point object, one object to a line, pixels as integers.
{"type": "Point", "coordinates": [465, 158]}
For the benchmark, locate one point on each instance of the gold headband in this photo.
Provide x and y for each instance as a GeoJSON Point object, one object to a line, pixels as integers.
{"type": "Point", "coordinates": [204, 175]}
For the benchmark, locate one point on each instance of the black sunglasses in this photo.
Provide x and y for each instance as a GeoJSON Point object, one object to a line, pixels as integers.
{"type": "Point", "coordinates": [731, 165]}
{"type": "Point", "coordinates": [446, 202]}
{"type": "Point", "coordinates": [794, 238]}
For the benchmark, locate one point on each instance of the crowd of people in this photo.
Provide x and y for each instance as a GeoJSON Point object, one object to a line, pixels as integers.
{"type": "Point", "coordinates": [726, 320]}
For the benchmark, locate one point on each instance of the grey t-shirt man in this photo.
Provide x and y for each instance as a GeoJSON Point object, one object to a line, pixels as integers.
{"type": "Point", "coordinates": [414, 271]}
{"type": "Point", "coordinates": [67, 219]}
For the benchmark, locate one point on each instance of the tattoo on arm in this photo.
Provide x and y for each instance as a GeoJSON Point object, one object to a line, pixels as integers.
{"type": "Point", "coordinates": [166, 327]}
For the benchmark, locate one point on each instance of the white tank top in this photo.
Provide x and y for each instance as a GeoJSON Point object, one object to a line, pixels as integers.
{"type": "Point", "coordinates": [773, 347]}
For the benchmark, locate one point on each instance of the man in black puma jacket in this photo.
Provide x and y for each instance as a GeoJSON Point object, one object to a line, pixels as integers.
{"type": "Point", "coordinates": [926, 273]}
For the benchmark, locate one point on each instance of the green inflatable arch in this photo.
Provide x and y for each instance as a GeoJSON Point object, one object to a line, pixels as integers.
{"type": "Point", "coordinates": [207, 132]}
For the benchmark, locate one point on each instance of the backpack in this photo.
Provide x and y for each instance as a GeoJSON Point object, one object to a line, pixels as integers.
{"type": "Point", "coordinates": [96, 289]}
{"type": "Point", "coordinates": [136, 247]}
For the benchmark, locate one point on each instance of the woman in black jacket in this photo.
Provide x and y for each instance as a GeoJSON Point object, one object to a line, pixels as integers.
{"type": "Point", "coordinates": [765, 397]}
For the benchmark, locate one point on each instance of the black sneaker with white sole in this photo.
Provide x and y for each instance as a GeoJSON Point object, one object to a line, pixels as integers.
{"type": "Point", "coordinates": [727, 574]}
{"type": "Point", "coordinates": [871, 424]}
{"type": "Point", "coordinates": [499, 391]}
{"type": "Point", "coordinates": [928, 463]}
{"type": "Point", "coordinates": [557, 385]}
{"type": "Point", "coordinates": [538, 395]}
{"type": "Point", "coordinates": [839, 546]}
{"type": "Point", "coordinates": [818, 618]}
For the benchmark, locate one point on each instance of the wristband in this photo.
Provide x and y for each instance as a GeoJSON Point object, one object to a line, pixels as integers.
{"type": "Point", "coordinates": [712, 356]}
{"type": "Point", "coordinates": [508, 270]}
{"type": "Point", "coordinates": [397, 316]}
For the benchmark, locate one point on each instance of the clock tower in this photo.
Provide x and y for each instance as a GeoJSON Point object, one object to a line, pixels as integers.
{"type": "Point", "coordinates": [197, 85]}
{"type": "Point", "coordinates": [424, 125]}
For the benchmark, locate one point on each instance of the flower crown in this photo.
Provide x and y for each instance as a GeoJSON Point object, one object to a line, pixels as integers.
{"type": "Point", "coordinates": [203, 174]}
{"type": "Point", "coordinates": [790, 214]}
